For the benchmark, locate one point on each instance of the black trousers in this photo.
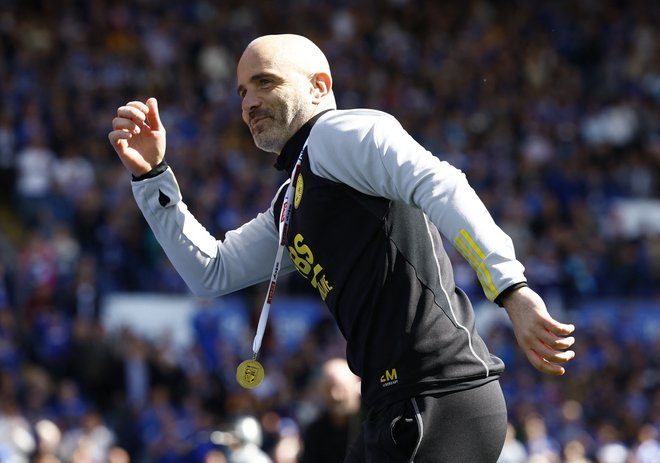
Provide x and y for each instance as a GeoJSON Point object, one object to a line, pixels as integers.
{"type": "Point", "coordinates": [459, 427]}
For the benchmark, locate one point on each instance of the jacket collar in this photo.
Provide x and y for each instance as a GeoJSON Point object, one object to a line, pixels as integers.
{"type": "Point", "coordinates": [289, 155]}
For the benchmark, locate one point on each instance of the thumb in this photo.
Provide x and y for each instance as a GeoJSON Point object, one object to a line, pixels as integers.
{"type": "Point", "coordinates": [153, 116]}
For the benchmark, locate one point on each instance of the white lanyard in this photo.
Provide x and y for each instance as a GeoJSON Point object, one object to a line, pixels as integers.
{"type": "Point", "coordinates": [285, 217]}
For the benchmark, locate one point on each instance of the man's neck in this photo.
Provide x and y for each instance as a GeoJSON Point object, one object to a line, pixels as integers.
{"type": "Point", "coordinates": [287, 158]}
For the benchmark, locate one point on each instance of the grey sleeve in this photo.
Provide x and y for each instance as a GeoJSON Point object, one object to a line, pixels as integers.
{"type": "Point", "coordinates": [378, 157]}
{"type": "Point", "coordinates": [209, 267]}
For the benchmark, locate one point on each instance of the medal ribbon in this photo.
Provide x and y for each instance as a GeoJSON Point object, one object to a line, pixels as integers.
{"type": "Point", "coordinates": [285, 217]}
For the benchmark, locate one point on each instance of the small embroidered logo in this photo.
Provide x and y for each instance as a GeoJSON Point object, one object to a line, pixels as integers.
{"type": "Point", "coordinates": [389, 378]}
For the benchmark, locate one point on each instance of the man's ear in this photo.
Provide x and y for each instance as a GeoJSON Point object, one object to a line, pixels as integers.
{"type": "Point", "coordinates": [321, 86]}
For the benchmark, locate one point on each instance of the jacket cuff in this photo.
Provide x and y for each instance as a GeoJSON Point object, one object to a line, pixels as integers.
{"type": "Point", "coordinates": [157, 170]}
{"type": "Point", "coordinates": [503, 295]}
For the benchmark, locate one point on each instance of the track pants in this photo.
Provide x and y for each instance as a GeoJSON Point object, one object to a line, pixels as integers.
{"type": "Point", "coordinates": [458, 427]}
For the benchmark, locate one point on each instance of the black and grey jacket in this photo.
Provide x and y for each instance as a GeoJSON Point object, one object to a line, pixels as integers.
{"type": "Point", "coordinates": [370, 204]}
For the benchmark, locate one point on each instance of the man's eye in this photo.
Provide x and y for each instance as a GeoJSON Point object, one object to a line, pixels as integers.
{"type": "Point", "coordinates": [265, 82]}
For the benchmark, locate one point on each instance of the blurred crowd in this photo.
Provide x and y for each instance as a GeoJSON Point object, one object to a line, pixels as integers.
{"type": "Point", "coordinates": [552, 110]}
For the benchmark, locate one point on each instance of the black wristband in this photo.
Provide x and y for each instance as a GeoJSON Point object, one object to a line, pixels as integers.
{"type": "Point", "coordinates": [500, 297]}
{"type": "Point", "coordinates": [157, 170]}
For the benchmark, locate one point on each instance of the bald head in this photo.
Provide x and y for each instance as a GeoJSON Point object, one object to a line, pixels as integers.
{"type": "Point", "coordinates": [291, 50]}
{"type": "Point", "coordinates": [340, 388]}
{"type": "Point", "coordinates": [283, 80]}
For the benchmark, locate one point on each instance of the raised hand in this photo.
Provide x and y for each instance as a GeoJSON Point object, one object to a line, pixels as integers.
{"type": "Point", "coordinates": [138, 136]}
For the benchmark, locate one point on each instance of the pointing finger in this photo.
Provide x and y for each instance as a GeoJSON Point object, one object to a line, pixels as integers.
{"type": "Point", "coordinates": [560, 329]}
{"type": "Point", "coordinates": [554, 341]}
{"type": "Point", "coordinates": [138, 105]}
{"type": "Point", "coordinates": [131, 113]}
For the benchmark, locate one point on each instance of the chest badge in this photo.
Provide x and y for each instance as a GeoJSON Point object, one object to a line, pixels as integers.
{"type": "Point", "coordinates": [300, 184]}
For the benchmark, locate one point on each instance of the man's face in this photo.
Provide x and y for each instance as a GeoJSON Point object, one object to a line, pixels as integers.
{"type": "Point", "coordinates": [340, 392]}
{"type": "Point", "coordinates": [276, 98]}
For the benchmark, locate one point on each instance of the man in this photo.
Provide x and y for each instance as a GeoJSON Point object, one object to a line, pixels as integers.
{"type": "Point", "coordinates": [364, 230]}
{"type": "Point", "coordinates": [247, 445]}
{"type": "Point", "coordinates": [327, 437]}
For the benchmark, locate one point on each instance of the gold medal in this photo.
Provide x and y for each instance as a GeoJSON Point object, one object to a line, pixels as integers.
{"type": "Point", "coordinates": [250, 374]}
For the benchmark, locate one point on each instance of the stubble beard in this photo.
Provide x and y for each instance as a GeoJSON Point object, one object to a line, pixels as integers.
{"type": "Point", "coordinates": [285, 120]}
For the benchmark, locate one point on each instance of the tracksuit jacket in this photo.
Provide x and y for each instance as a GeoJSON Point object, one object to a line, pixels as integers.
{"type": "Point", "coordinates": [369, 208]}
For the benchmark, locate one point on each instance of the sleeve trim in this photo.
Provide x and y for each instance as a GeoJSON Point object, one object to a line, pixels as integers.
{"type": "Point", "coordinates": [156, 171]}
{"type": "Point", "coordinates": [503, 295]}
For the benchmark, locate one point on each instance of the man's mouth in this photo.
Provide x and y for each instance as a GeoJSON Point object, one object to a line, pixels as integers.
{"type": "Point", "coordinates": [256, 119]}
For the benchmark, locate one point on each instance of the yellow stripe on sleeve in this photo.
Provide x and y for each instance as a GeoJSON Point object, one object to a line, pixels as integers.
{"type": "Point", "coordinates": [468, 248]}
{"type": "Point", "coordinates": [475, 264]}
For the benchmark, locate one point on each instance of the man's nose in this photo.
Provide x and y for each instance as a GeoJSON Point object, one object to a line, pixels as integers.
{"type": "Point", "coordinates": [250, 102]}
